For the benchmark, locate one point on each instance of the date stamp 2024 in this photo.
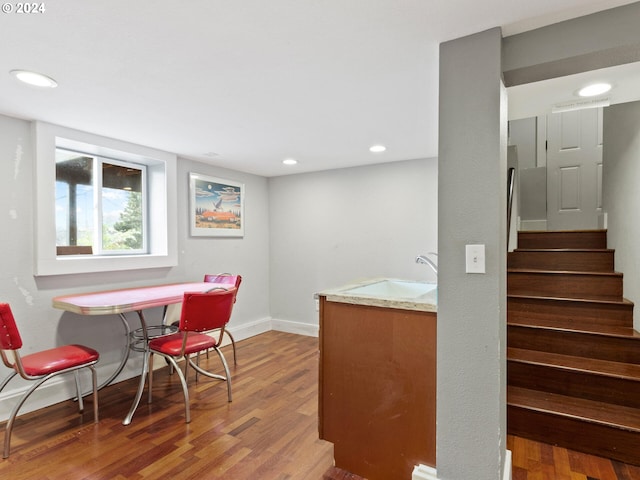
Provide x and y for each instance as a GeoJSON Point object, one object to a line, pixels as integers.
{"type": "Point", "coordinates": [23, 8]}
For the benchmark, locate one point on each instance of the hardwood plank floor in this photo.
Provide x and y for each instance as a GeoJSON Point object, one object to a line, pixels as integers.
{"type": "Point", "coordinates": [268, 432]}
{"type": "Point", "coordinates": [539, 461]}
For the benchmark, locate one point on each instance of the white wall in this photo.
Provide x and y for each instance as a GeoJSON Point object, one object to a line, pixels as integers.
{"type": "Point", "coordinates": [621, 193]}
{"type": "Point", "coordinates": [43, 327]}
{"type": "Point", "coordinates": [330, 228]}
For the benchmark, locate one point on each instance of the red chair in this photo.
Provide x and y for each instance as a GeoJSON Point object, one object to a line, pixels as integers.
{"type": "Point", "coordinates": [41, 366]}
{"type": "Point", "coordinates": [201, 312]}
{"type": "Point", "coordinates": [226, 279]}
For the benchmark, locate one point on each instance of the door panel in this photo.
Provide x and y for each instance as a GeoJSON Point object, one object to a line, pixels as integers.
{"type": "Point", "coordinates": [569, 190]}
{"type": "Point", "coordinates": [574, 169]}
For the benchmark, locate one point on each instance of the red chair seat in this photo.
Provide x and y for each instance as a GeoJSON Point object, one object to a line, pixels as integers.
{"type": "Point", "coordinates": [172, 344]}
{"type": "Point", "coordinates": [57, 359]}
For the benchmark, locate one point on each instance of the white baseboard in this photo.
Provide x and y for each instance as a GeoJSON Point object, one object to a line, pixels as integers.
{"type": "Point", "coordinates": [299, 328]}
{"type": "Point", "coordinates": [251, 329]}
{"type": "Point", "coordinates": [528, 225]}
{"type": "Point", "coordinates": [506, 474]}
{"type": "Point", "coordinates": [57, 389]}
{"type": "Point", "coordinates": [423, 472]}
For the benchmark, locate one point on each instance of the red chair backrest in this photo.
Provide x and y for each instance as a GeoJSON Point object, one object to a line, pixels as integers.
{"type": "Point", "coordinates": [9, 335]}
{"type": "Point", "coordinates": [202, 312]}
{"type": "Point", "coordinates": [224, 278]}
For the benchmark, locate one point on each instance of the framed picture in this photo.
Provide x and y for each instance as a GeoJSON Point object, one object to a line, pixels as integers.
{"type": "Point", "coordinates": [216, 207]}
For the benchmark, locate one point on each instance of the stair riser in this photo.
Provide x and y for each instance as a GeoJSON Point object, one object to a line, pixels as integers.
{"type": "Point", "coordinates": [561, 285]}
{"type": "Point", "coordinates": [568, 314]}
{"type": "Point", "coordinates": [574, 434]}
{"type": "Point", "coordinates": [586, 239]}
{"type": "Point", "coordinates": [562, 261]}
{"type": "Point", "coordinates": [577, 384]}
{"type": "Point", "coordinates": [615, 349]}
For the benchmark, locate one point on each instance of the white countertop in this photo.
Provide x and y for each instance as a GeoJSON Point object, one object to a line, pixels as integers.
{"type": "Point", "coordinates": [426, 303]}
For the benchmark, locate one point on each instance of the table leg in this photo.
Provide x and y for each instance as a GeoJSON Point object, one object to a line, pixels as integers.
{"type": "Point", "coordinates": [125, 356]}
{"type": "Point", "coordinates": [143, 375]}
{"type": "Point", "coordinates": [123, 361]}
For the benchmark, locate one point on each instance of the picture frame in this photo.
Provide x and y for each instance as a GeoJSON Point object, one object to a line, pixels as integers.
{"type": "Point", "coordinates": [216, 207]}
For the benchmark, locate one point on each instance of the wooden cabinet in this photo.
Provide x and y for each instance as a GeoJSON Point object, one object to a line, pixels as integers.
{"type": "Point", "coordinates": [377, 394]}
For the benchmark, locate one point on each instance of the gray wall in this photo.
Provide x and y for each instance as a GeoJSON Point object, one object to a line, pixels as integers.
{"type": "Point", "coordinates": [303, 233]}
{"type": "Point", "coordinates": [532, 180]}
{"type": "Point", "coordinates": [621, 193]}
{"type": "Point", "coordinates": [330, 228]}
{"type": "Point", "coordinates": [600, 40]}
{"type": "Point", "coordinates": [523, 134]}
{"type": "Point", "coordinates": [30, 298]}
{"type": "Point", "coordinates": [472, 164]}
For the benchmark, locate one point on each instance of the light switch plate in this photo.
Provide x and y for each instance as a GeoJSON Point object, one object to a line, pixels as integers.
{"type": "Point", "coordinates": [475, 258]}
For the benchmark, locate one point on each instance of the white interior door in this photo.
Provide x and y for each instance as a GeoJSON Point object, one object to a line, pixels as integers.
{"type": "Point", "coordinates": [574, 169]}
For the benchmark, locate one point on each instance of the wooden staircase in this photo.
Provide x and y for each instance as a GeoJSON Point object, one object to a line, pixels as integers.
{"type": "Point", "coordinates": [573, 357]}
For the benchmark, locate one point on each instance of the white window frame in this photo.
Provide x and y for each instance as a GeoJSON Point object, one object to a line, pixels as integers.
{"type": "Point", "coordinates": [98, 233]}
{"type": "Point", "coordinates": [162, 194]}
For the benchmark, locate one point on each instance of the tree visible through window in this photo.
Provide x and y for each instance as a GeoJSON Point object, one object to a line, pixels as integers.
{"type": "Point", "coordinates": [128, 230]}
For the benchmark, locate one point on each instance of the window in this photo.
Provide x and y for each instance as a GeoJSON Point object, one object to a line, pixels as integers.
{"type": "Point", "coordinates": [102, 204]}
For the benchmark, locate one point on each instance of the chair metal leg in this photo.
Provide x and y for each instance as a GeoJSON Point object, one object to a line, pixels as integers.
{"type": "Point", "coordinates": [197, 363]}
{"type": "Point", "coordinates": [214, 375]}
{"type": "Point", "coordinates": [94, 381]}
{"type": "Point", "coordinates": [226, 369]}
{"type": "Point", "coordinates": [14, 413]}
{"type": "Point", "coordinates": [76, 376]}
{"type": "Point", "coordinates": [150, 378]}
{"type": "Point", "coordinates": [18, 406]}
{"type": "Point", "coordinates": [233, 344]}
{"type": "Point", "coordinates": [185, 390]}
{"type": "Point", "coordinates": [6, 380]}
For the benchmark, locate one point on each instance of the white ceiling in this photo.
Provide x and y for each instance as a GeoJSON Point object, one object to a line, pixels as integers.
{"type": "Point", "coordinates": [244, 84]}
{"type": "Point", "coordinates": [538, 98]}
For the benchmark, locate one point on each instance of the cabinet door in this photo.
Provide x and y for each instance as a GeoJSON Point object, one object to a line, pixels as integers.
{"type": "Point", "coordinates": [378, 390]}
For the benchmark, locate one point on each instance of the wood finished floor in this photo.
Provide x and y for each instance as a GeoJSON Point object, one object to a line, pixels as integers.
{"type": "Point", "coordinates": [268, 432]}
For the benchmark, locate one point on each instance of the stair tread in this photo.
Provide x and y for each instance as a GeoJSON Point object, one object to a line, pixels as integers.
{"type": "Point", "coordinates": [608, 330]}
{"type": "Point", "coordinates": [568, 250]}
{"type": "Point", "coordinates": [579, 230]}
{"type": "Point", "coordinates": [564, 272]}
{"type": "Point", "coordinates": [603, 300]}
{"type": "Point", "coordinates": [608, 414]}
{"type": "Point", "coordinates": [627, 371]}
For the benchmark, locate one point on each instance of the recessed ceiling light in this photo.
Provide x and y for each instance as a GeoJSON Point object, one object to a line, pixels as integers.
{"type": "Point", "coordinates": [595, 89]}
{"type": "Point", "coordinates": [377, 148]}
{"type": "Point", "coordinates": [289, 161]}
{"type": "Point", "coordinates": [34, 78]}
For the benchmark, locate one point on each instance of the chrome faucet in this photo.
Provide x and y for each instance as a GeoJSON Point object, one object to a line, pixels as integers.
{"type": "Point", "coordinates": [427, 261]}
